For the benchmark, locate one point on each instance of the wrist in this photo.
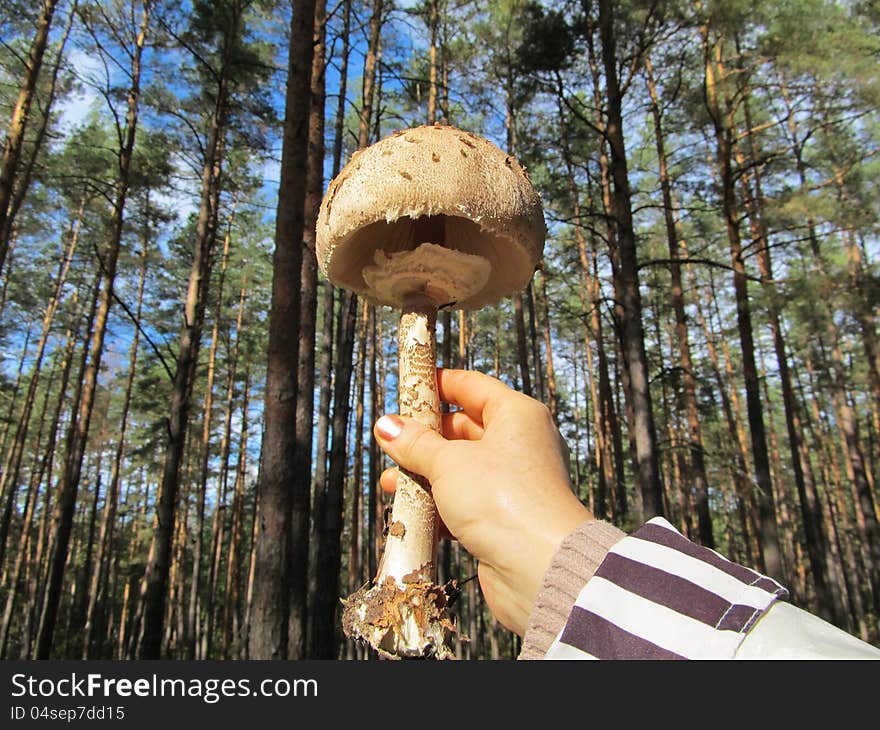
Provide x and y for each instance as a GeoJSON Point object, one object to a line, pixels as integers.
{"type": "Point", "coordinates": [553, 530]}
{"type": "Point", "coordinates": [578, 557]}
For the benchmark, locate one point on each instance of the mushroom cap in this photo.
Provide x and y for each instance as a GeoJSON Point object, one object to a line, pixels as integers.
{"type": "Point", "coordinates": [480, 196]}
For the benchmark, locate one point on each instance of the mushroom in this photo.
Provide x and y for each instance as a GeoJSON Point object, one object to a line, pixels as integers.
{"type": "Point", "coordinates": [429, 218]}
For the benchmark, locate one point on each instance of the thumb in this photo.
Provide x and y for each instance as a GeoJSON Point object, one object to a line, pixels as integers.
{"type": "Point", "coordinates": [411, 444]}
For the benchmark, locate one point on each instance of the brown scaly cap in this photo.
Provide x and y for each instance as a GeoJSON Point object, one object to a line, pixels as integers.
{"type": "Point", "coordinates": [488, 205]}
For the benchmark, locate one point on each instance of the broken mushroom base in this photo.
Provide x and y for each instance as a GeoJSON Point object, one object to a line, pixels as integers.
{"type": "Point", "coordinates": [409, 622]}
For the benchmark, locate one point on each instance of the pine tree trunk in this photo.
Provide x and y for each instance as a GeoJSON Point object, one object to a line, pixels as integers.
{"type": "Point", "coordinates": [552, 395]}
{"type": "Point", "coordinates": [191, 638]}
{"type": "Point", "coordinates": [252, 565]}
{"type": "Point", "coordinates": [522, 349]}
{"type": "Point", "coordinates": [792, 552]}
{"type": "Point", "coordinates": [734, 446]}
{"type": "Point", "coordinates": [12, 581]}
{"type": "Point", "coordinates": [23, 177]}
{"type": "Point", "coordinates": [154, 591]}
{"type": "Point", "coordinates": [80, 605]}
{"type": "Point", "coordinates": [632, 333]}
{"type": "Point", "coordinates": [35, 587]}
{"type": "Point", "coordinates": [534, 347]}
{"type": "Point", "coordinates": [129, 620]}
{"type": "Point", "coordinates": [605, 425]}
{"type": "Point", "coordinates": [325, 367]}
{"type": "Point", "coordinates": [232, 609]}
{"type": "Point", "coordinates": [20, 117]}
{"type": "Point", "coordinates": [12, 463]}
{"type": "Point", "coordinates": [769, 557]}
{"type": "Point", "coordinates": [521, 346]}
{"type": "Point", "coordinates": [330, 499]}
{"type": "Point", "coordinates": [57, 525]}
{"type": "Point", "coordinates": [808, 500]}
{"type": "Point", "coordinates": [8, 419]}
{"type": "Point", "coordinates": [269, 630]}
{"type": "Point", "coordinates": [355, 570]}
{"type": "Point", "coordinates": [433, 32]}
{"type": "Point", "coordinates": [91, 649]}
{"type": "Point", "coordinates": [79, 428]}
{"type": "Point", "coordinates": [377, 400]}
{"type": "Point", "coordinates": [355, 578]}
{"type": "Point", "coordinates": [696, 474]}
{"type": "Point", "coordinates": [370, 73]}
{"type": "Point", "coordinates": [301, 498]}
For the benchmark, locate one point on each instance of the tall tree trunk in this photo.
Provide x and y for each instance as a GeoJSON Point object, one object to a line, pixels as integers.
{"type": "Point", "coordinates": [11, 580]}
{"type": "Point", "coordinates": [370, 72]}
{"type": "Point", "coordinates": [207, 638]}
{"type": "Point", "coordinates": [27, 167]}
{"type": "Point", "coordinates": [8, 418]}
{"type": "Point", "coordinates": [433, 21]}
{"type": "Point", "coordinates": [808, 500]}
{"type": "Point", "coordinates": [79, 427]}
{"type": "Point", "coordinates": [190, 639]}
{"type": "Point", "coordinates": [18, 124]}
{"type": "Point", "coordinates": [154, 591]}
{"type": "Point", "coordinates": [521, 346]}
{"type": "Point", "coordinates": [249, 585]}
{"type": "Point", "coordinates": [735, 446]}
{"type": "Point", "coordinates": [54, 515]}
{"type": "Point", "coordinates": [769, 559]}
{"type": "Point", "coordinates": [604, 415]}
{"type": "Point", "coordinates": [696, 475]}
{"type": "Point", "coordinates": [232, 608]}
{"type": "Point", "coordinates": [377, 401]}
{"type": "Point", "coordinates": [12, 462]}
{"type": "Point", "coordinates": [301, 499]}
{"type": "Point", "coordinates": [91, 649]}
{"type": "Point", "coordinates": [552, 395]}
{"type": "Point", "coordinates": [79, 606]}
{"type": "Point", "coordinates": [632, 332]}
{"type": "Point", "coordinates": [325, 367]}
{"type": "Point", "coordinates": [129, 619]}
{"type": "Point", "coordinates": [355, 533]}
{"type": "Point", "coordinates": [34, 595]}
{"type": "Point", "coordinates": [534, 347]}
{"type": "Point", "coordinates": [330, 499]}
{"type": "Point", "coordinates": [268, 636]}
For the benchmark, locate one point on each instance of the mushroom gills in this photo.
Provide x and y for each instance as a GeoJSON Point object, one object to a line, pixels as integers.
{"type": "Point", "coordinates": [443, 274]}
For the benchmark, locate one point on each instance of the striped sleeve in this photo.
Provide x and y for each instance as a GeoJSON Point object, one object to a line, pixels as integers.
{"type": "Point", "coordinates": [657, 595]}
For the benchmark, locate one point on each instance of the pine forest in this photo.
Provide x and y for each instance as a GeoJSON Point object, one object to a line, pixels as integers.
{"type": "Point", "coordinates": [187, 463]}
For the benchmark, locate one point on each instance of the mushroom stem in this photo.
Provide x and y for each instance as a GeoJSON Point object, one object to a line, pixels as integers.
{"type": "Point", "coordinates": [411, 548]}
{"type": "Point", "coordinates": [404, 613]}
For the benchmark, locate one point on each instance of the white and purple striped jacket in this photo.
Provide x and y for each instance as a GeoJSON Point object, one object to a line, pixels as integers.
{"type": "Point", "coordinates": [657, 595]}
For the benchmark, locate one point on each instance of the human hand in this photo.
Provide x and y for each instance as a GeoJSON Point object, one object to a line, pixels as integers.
{"type": "Point", "coordinates": [499, 475]}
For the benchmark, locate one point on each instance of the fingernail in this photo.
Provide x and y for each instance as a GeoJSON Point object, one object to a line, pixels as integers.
{"type": "Point", "coordinates": [389, 427]}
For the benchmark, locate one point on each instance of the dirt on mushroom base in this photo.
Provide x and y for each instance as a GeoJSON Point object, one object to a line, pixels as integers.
{"type": "Point", "coordinates": [412, 622]}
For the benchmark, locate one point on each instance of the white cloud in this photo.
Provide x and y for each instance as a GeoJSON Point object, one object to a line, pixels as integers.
{"type": "Point", "coordinates": [75, 107]}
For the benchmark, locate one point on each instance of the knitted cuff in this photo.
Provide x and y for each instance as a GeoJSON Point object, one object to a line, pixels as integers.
{"type": "Point", "coordinates": [573, 565]}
